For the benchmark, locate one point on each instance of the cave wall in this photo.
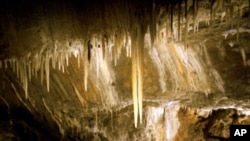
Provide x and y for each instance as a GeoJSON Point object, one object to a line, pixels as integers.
{"type": "Point", "coordinates": [70, 65]}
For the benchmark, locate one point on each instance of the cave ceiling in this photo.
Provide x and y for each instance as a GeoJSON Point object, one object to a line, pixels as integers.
{"type": "Point", "coordinates": [62, 61]}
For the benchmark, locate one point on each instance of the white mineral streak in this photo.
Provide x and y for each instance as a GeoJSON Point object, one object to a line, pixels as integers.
{"type": "Point", "coordinates": [81, 99]}
{"type": "Point", "coordinates": [159, 64]}
{"type": "Point", "coordinates": [103, 81]}
{"type": "Point", "coordinates": [19, 97]}
{"type": "Point", "coordinates": [171, 121]}
{"type": "Point", "coordinates": [155, 123]}
{"type": "Point", "coordinates": [53, 117]}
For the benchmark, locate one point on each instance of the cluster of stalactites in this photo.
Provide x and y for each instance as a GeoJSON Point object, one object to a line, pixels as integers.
{"type": "Point", "coordinates": [35, 64]}
{"type": "Point", "coordinates": [39, 63]}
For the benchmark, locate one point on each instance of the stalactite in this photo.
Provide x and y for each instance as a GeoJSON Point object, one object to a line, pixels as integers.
{"type": "Point", "coordinates": [186, 24]}
{"type": "Point", "coordinates": [54, 59]}
{"type": "Point", "coordinates": [10, 62]}
{"type": "Point", "coordinates": [243, 55]}
{"type": "Point", "coordinates": [14, 65]}
{"type": "Point", "coordinates": [89, 50]}
{"type": "Point", "coordinates": [62, 62]}
{"type": "Point", "coordinates": [81, 52]}
{"type": "Point", "coordinates": [137, 72]}
{"type": "Point", "coordinates": [25, 78]}
{"type": "Point", "coordinates": [63, 68]}
{"type": "Point", "coordinates": [47, 69]}
{"type": "Point", "coordinates": [134, 83]}
{"type": "Point", "coordinates": [140, 74]}
{"type": "Point", "coordinates": [78, 59]}
{"type": "Point", "coordinates": [98, 58]}
{"type": "Point", "coordinates": [17, 69]}
{"type": "Point", "coordinates": [126, 45]}
{"type": "Point", "coordinates": [42, 69]}
{"type": "Point", "coordinates": [115, 48]}
{"type": "Point", "coordinates": [67, 59]}
{"type": "Point", "coordinates": [32, 68]}
{"type": "Point", "coordinates": [171, 18]}
{"type": "Point", "coordinates": [179, 21]}
{"type": "Point", "coordinates": [86, 64]}
{"type": "Point", "coordinates": [59, 61]}
{"type": "Point", "coordinates": [20, 72]}
{"type": "Point", "coordinates": [54, 56]}
{"type": "Point", "coordinates": [152, 24]}
{"type": "Point", "coordinates": [29, 70]}
{"type": "Point", "coordinates": [103, 47]}
{"type": "Point", "coordinates": [237, 36]}
{"type": "Point", "coordinates": [36, 65]}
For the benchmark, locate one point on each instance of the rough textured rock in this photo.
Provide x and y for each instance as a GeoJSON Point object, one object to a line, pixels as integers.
{"type": "Point", "coordinates": [69, 70]}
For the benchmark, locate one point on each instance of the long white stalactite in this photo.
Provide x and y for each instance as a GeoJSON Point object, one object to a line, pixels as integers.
{"type": "Point", "coordinates": [137, 74]}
